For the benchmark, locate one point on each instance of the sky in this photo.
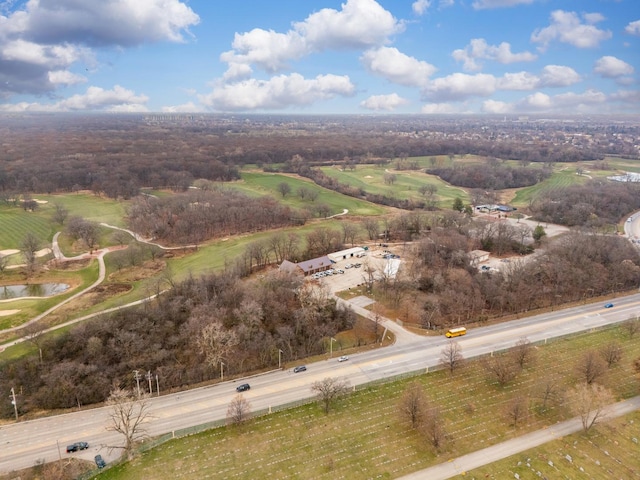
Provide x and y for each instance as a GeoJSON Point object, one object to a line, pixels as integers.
{"type": "Point", "coordinates": [518, 57]}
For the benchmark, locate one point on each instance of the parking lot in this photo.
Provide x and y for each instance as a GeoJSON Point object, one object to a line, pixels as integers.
{"type": "Point", "coordinates": [352, 272]}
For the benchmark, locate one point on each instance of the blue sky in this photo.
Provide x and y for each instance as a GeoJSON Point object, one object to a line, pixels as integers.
{"type": "Point", "coordinates": [321, 56]}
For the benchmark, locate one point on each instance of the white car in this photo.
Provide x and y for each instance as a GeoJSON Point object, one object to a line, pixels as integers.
{"type": "Point", "coordinates": [343, 358]}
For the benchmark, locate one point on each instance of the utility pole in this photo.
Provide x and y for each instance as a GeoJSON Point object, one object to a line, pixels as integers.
{"type": "Point", "coordinates": [280, 358]}
{"type": "Point", "coordinates": [13, 402]}
{"type": "Point", "coordinates": [221, 372]}
{"type": "Point", "coordinates": [157, 385]}
{"type": "Point", "coordinates": [331, 346]}
{"type": "Point", "coordinates": [136, 375]}
{"type": "Point", "coordinates": [149, 377]}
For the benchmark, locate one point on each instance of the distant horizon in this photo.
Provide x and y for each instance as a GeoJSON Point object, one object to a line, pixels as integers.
{"type": "Point", "coordinates": [321, 57]}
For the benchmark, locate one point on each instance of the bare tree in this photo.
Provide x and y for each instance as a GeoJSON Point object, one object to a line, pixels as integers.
{"type": "Point", "coordinates": [548, 391]}
{"type": "Point", "coordinates": [4, 262]}
{"type": "Point", "coordinates": [215, 341]}
{"type": "Point", "coordinates": [349, 232]}
{"type": "Point", "coordinates": [60, 213]}
{"type": "Point", "coordinates": [451, 356]}
{"type": "Point", "coordinates": [413, 404]}
{"type": "Point", "coordinates": [632, 326]}
{"type": "Point", "coordinates": [591, 367]}
{"type": "Point", "coordinates": [517, 409]}
{"type": "Point", "coordinates": [589, 402]}
{"type": "Point", "coordinates": [127, 416]}
{"type": "Point", "coordinates": [284, 189]}
{"type": "Point", "coordinates": [523, 352]}
{"type": "Point", "coordinates": [30, 246]}
{"type": "Point", "coordinates": [33, 333]}
{"type": "Point", "coordinates": [372, 227]}
{"type": "Point", "coordinates": [328, 390]}
{"type": "Point", "coordinates": [501, 367]}
{"type": "Point", "coordinates": [611, 353]}
{"type": "Point", "coordinates": [239, 410]}
{"type": "Point", "coordinates": [433, 428]}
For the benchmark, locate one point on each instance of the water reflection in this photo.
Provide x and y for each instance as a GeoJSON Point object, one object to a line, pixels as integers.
{"type": "Point", "coordinates": [32, 290]}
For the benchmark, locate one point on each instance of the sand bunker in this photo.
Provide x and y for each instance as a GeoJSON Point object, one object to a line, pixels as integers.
{"type": "Point", "coordinates": [6, 313]}
{"type": "Point", "coordinates": [368, 176]}
{"type": "Point", "coordinates": [4, 253]}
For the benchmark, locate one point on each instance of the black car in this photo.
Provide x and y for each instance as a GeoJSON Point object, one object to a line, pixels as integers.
{"type": "Point", "coordinates": [300, 368]}
{"type": "Point", "coordinates": [74, 447]}
{"type": "Point", "coordinates": [243, 388]}
{"type": "Point", "coordinates": [100, 461]}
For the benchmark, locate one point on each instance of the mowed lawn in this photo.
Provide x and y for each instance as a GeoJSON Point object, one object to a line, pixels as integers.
{"type": "Point", "coordinates": [365, 437]}
{"type": "Point", "coordinates": [260, 184]}
{"type": "Point", "coordinates": [15, 223]}
{"type": "Point", "coordinates": [406, 185]}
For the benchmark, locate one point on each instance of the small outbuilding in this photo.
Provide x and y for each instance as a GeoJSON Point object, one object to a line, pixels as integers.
{"type": "Point", "coordinates": [348, 253]}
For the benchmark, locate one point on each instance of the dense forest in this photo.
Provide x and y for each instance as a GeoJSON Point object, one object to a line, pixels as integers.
{"type": "Point", "coordinates": [592, 205]}
{"type": "Point", "coordinates": [182, 338]}
{"type": "Point", "coordinates": [117, 155]}
{"type": "Point", "coordinates": [491, 177]}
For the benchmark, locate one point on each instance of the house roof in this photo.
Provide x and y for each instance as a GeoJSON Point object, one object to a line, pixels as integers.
{"type": "Point", "coordinates": [315, 264]}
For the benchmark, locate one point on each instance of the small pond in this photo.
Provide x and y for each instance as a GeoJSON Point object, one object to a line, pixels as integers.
{"type": "Point", "coordinates": [32, 290]}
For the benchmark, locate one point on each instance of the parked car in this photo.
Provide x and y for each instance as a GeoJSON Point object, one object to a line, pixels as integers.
{"type": "Point", "coordinates": [608, 305]}
{"type": "Point", "coordinates": [243, 388]}
{"type": "Point", "coordinates": [74, 447]}
{"type": "Point", "coordinates": [348, 265]}
{"type": "Point", "coordinates": [100, 463]}
{"type": "Point", "coordinates": [299, 368]}
{"type": "Point", "coordinates": [343, 358]}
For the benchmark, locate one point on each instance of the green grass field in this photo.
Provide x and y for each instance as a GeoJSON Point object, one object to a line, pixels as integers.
{"type": "Point", "coordinates": [609, 451]}
{"type": "Point", "coordinates": [364, 437]}
{"type": "Point", "coordinates": [259, 184]}
{"type": "Point", "coordinates": [406, 186]}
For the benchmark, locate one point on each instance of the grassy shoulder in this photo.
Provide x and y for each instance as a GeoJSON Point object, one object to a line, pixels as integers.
{"type": "Point", "coordinates": [364, 436]}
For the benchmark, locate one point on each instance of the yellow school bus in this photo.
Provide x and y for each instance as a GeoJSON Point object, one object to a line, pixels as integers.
{"type": "Point", "coordinates": [455, 332]}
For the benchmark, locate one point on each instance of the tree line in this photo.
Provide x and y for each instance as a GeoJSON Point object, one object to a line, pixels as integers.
{"type": "Point", "coordinates": [182, 337]}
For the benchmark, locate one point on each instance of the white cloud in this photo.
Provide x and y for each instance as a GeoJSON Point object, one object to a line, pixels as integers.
{"type": "Point", "coordinates": [384, 102]}
{"type": "Point", "coordinates": [459, 86]}
{"type": "Point", "coordinates": [360, 24]}
{"type": "Point", "coordinates": [188, 107]}
{"type": "Point", "coordinates": [439, 108]}
{"type": "Point", "coordinates": [566, 27]}
{"type": "Point", "coordinates": [269, 50]}
{"type": "Point", "coordinates": [496, 107]}
{"type": "Point", "coordinates": [588, 102]}
{"type": "Point", "coordinates": [40, 39]}
{"type": "Point", "coordinates": [482, 4]}
{"type": "Point", "coordinates": [518, 81]}
{"type": "Point", "coordinates": [115, 22]}
{"type": "Point", "coordinates": [633, 28]}
{"type": "Point", "coordinates": [612, 67]}
{"type": "Point", "coordinates": [397, 67]}
{"type": "Point", "coordinates": [96, 98]}
{"type": "Point", "coordinates": [65, 77]}
{"type": "Point", "coordinates": [478, 49]}
{"type": "Point", "coordinates": [419, 7]}
{"type": "Point", "coordinates": [117, 99]}
{"type": "Point", "coordinates": [559, 76]}
{"type": "Point", "coordinates": [278, 92]}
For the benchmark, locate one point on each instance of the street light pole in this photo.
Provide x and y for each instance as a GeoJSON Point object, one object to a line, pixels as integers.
{"type": "Point", "coordinates": [331, 347]}
{"type": "Point", "coordinates": [13, 402]}
{"type": "Point", "coordinates": [136, 375]}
